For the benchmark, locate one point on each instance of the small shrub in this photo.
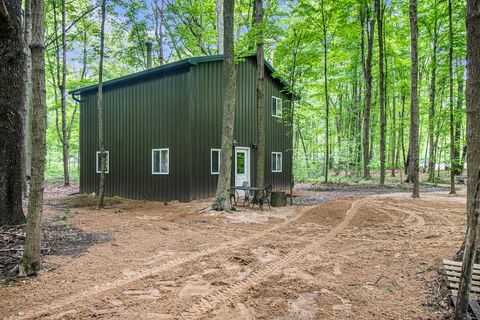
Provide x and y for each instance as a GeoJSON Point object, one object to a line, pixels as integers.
{"type": "Point", "coordinates": [66, 214]}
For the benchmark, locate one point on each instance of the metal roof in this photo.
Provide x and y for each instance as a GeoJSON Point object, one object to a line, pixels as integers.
{"type": "Point", "coordinates": [178, 65]}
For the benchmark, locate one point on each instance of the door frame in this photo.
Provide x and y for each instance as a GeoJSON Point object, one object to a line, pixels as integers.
{"type": "Point", "coordinates": [247, 164]}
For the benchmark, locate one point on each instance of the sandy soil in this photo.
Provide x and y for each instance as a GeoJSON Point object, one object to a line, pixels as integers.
{"type": "Point", "coordinates": [353, 257]}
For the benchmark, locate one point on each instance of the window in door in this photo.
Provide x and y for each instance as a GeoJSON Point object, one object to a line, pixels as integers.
{"type": "Point", "coordinates": [240, 162]}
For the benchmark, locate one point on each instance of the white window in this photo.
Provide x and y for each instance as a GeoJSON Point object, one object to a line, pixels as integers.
{"type": "Point", "coordinates": [276, 107]}
{"type": "Point", "coordinates": [215, 161]}
{"type": "Point", "coordinates": [160, 161]}
{"type": "Point", "coordinates": [276, 162]}
{"type": "Point", "coordinates": [98, 162]}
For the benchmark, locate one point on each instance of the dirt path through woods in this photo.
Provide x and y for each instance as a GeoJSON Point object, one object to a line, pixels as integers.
{"type": "Point", "coordinates": [367, 257]}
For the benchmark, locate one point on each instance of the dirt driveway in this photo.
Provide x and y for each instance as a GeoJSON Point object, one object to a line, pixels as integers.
{"type": "Point", "coordinates": [361, 257]}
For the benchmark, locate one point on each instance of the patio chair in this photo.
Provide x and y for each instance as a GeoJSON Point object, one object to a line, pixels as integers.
{"type": "Point", "coordinates": [262, 197]}
{"type": "Point", "coordinates": [246, 198]}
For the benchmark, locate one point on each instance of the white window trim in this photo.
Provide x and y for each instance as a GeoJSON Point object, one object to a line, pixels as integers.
{"type": "Point", "coordinates": [107, 167]}
{"type": "Point", "coordinates": [211, 161]}
{"type": "Point", "coordinates": [281, 161]}
{"type": "Point", "coordinates": [277, 114]}
{"type": "Point", "coordinates": [168, 161]}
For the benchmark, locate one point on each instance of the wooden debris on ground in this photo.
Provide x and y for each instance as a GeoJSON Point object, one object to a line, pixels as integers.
{"type": "Point", "coordinates": [453, 271]}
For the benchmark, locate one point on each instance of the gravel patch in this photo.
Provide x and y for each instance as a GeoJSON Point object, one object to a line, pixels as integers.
{"type": "Point", "coordinates": [318, 193]}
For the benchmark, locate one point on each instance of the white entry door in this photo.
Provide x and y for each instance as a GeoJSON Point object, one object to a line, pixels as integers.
{"type": "Point", "coordinates": [242, 166]}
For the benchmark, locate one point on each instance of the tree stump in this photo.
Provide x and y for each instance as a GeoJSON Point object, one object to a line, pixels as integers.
{"type": "Point", "coordinates": [461, 179]}
{"type": "Point", "coordinates": [278, 199]}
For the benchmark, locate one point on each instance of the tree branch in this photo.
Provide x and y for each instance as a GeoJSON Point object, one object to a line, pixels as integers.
{"type": "Point", "coordinates": [50, 41]}
{"type": "Point", "coordinates": [3, 10]}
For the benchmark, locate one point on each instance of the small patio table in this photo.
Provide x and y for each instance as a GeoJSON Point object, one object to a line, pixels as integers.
{"type": "Point", "coordinates": [235, 196]}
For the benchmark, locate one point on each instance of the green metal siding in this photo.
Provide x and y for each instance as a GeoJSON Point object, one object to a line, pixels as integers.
{"type": "Point", "coordinates": [277, 136]}
{"type": "Point", "coordinates": [180, 110]}
{"type": "Point", "coordinates": [138, 118]}
{"type": "Point", "coordinates": [207, 127]}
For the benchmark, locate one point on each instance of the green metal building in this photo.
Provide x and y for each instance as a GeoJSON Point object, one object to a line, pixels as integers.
{"type": "Point", "coordinates": [163, 131]}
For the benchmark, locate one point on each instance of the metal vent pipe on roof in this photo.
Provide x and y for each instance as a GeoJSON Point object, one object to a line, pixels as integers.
{"type": "Point", "coordinates": [149, 54]}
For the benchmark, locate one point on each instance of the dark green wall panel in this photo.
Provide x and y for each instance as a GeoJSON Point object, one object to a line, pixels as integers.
{"type": "Point", "coordinates": [181, 111]}
{"type": "Point", "coordinates": [207, 110]}
{"type": "Point", "coordinates": [138, 118]}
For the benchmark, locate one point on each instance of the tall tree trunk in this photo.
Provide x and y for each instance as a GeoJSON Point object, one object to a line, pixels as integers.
{"type": "Point", "coordinates": [158, 12]}
{"type": "Point", "coordinates": [60, 82]}
{"type": "Point", "coordinates": [431, 114]}
{"type": "Point", "coordinates": [222, 201]}
{"type": "Point", "coordinates": [260, 96]}
{"type": "Point", "coordinates": [325, 78]}
{"type": "Point", "coordinates": [12, 100]}
{"type": "Point", "coordinates": [368, 27]}
{"type": "Point", "coordinates": [394, 123]}
{"type": "Point", "coordinates": [84, 56]}
{"type": "Point", "coordinates": [439, 125]}
{"type": "Point", "coordinates": [27, 124]}
{"type": "Point", "coordinates": [450, 70]}
{"type": "Point", "coordinates": [30, 263]}
{"type": "Point", "coordinates": [473, 155]}
{"type": "Point", "coordinates": [402, 134]}
{"type": "Point", "coordinates": [458, 118]}
{"type": "Point", "coordinates": [220, 27]}
{"type": "Point", "coordinates": [414, 145]}
{"type": "Point", "coordinates": [63, 93]}
{"type": "Point", "coordinates": [101, 114]}
{"type": "Point", "coordinates": [381, 92]}
{"type": "Point", "coordinates": [339, 126]}
{"type": "Point", "coordinates": [292, 79]}
{"type": "Point", "coordinates": [358, 124]}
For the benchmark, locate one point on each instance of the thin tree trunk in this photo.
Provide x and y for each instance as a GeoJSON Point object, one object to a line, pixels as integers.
{"type": "Point", "coordinates": [292, 79]}
{"type": "Point", "coordinates": [368, 25]}
{"type": "Point", "coordinates": [63, 93]}
{"type": "Point", "coordinates": [27, 125]}
{"type": "Point", "coordinates": [394, 124]}
{"type": "Point", "coordinates": [414, 145]}
{"type": "Point", "coordinates": [101, 139]}
{"type": "Point", "coordinates": [219, 27]}
{"type": "Point", "coordinates": [358, 125]}
{"type": "Point", "coordinates": [402, 133]}
{"type": "Point", "coordinates": [325, 78]}
{"type": "Point", "coordinates": [159, 21]}
{"type": "Point", "coordinates": [450, 70]}
{"type": "Point", "coordinates": [60, 81]}
{"type": "Point", "coordinates": [222, 199]}
{"type": "Point", "coordinates": [84, 57]}
{"type": "Point", "coordinates": [339, 126]}
{"type": "Point", "coordinates": [304, 147]}
{"type": "Point", "coordinates": [458, 118]}
{"type": "Point", "coordinates": [12, 100]}
{"type": "Point", "coordinates": [439, 125]}
{"type": "Point", "coordinates": [30, 263]}
{"type": "Point", "coordinates": [473, 156]}
{"type": "Point", "coordinates": [431, 114]}
{"type": "Point", "coordinates": [381, 92]}
{"type": "Point", "coordinates": [260, 96]}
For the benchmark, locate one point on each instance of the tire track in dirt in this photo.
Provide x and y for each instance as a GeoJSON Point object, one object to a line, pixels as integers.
{"type": "Point", "coordinates": [223, 295]}
{"type": "Point", "coordinates": [415, 211]}
{"type": "Point", "coordinates": [420, 220]}
{"type": "Point", "coordinates": [421, 210]}
{"type": "Point", "coordinates": [88, 296]}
